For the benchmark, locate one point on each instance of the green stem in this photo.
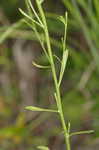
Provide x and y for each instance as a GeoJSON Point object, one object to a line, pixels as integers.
{"type": "Point", "coordinates": [59, 104]}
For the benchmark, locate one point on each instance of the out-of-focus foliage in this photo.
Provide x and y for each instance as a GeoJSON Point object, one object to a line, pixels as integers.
{"type": "Point", "coordinates": [10, 9]}
{"type": "Point", "coordinates": [80, 89]}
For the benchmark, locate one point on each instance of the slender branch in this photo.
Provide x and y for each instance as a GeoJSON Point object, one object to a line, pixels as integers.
{"type": "Point", "coordinates": [59, 104]}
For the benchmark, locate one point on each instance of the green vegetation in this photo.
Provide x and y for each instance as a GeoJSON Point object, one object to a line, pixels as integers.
{"type": "Point", "coordinates": [73, 101]}
{"type": "Point", "coordinates": [41, 21]}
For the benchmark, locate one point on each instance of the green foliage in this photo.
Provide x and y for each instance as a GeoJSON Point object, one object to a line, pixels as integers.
{"type": "Point", "coordinates": [63, 65]}
{"type": "Point", "coordinates": [43, 148]}
{"type": "Point", "coordinates": [10, 31]}
{"type": "Point", "coordinates": [32, 108]}
{"type": "Point", "coordinates": [41, 21]}
{"type": "Point", "coordinates": [89, 25]}
{"type": "Point", "coordinates": [79, 81]}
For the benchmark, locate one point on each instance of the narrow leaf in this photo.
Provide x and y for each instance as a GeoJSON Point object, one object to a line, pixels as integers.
{"type": "Point", "coordinates": [57, 58]}
{"type": "Point", "coordinates": [63, 65]}
{"type": "Point", "coordinates": [33, 108]}
{"type": "Point", "coordinates": [41, 1]}
{"type": "Point", "coordinates": [29, 24]}
{"type": "Point", "coordinates": [82, 132]}
{"type": "Point", "coordinates": [28, 8]}
{"type": "Point", "coordinates": [43, 147]}
{"type": "Point", "coordinates": [27, 16]}
{"type": "Point", "coordinates": [24, 14]}
{"type": "Point", "coordinates": [62, 19]}
{"type": "Point", "coordinates": [65, 32]}
{"type": "Point", "coordinates": [39, 66]}
{"type": "Point", "coordinates": [36, 15]}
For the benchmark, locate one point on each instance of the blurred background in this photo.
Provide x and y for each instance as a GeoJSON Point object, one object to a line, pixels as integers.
{"type": "Point", "coordinates": [21, 84]}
